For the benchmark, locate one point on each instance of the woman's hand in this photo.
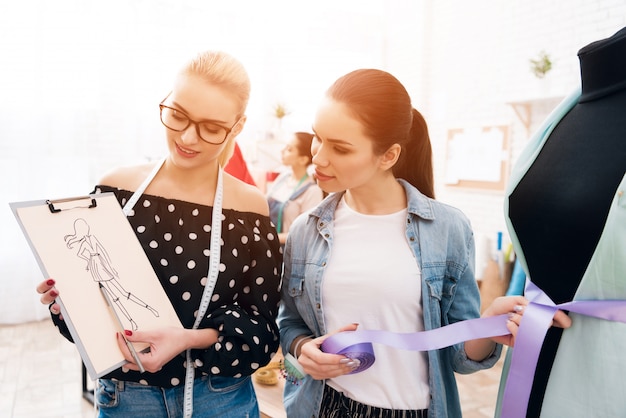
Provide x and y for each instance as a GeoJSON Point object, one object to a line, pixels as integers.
{"type": "Point", "coordinates": [515, 306]}
{"type": "Point", "coordinates": [320, 365]}
{"type": "Point", "coordinates": [48, 295]}
{"type": "Point", "coordinates": [165, 344]}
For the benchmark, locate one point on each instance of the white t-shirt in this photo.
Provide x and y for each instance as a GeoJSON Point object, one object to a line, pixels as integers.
{"type": "Point", "coordinates": [373, 279]}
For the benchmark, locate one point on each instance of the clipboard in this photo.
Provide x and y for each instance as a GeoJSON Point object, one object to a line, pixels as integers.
{"type": "Point", "coordinates": [88, 247]}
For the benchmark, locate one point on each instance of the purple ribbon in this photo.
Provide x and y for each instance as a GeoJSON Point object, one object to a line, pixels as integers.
{"type": "Point", "coordinates": [358, 344]}
{"type": "Point", "coordinates": [538, 316]}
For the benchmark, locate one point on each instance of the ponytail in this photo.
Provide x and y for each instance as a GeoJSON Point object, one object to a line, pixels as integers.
{"type": "Point", "coordinates": [415, 164]}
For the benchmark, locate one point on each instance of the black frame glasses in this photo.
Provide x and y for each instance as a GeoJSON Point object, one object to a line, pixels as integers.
{"type": "Point", "coordinates": [196, 123]}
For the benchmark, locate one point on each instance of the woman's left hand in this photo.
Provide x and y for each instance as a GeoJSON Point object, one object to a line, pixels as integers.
{"type": "Point", "coordinates": [165, 344]}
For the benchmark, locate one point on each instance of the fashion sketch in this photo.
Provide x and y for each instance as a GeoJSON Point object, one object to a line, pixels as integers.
{"type": "Point", "coordinates": [101, 268]}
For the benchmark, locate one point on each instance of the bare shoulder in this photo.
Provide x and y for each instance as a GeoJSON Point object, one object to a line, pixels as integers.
{"type": "Point", "coordinates": [126, 177]}
{"type": "Point", "coordinates": [243, 197]}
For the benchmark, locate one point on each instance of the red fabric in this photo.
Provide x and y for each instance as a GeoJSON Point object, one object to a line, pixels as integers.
{"type": "Point", "coordinates": [237, 167]}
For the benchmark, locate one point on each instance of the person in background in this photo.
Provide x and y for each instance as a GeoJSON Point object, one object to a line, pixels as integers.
{"type": "Point", "coordinates": [294, 191]}
{"type": "Point", "coordinates": [175, 218]}
{"type": "Point", "coordinates": [380, 253]}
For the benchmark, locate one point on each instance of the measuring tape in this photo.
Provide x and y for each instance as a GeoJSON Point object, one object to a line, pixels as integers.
{"type": "Point", "coordinates": [214, 261]}
{"type": "Point", "coordinates": [128, 207]}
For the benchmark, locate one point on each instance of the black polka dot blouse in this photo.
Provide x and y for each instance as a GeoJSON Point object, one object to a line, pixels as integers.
{"type": "Point", "coordinates": [175, 236]}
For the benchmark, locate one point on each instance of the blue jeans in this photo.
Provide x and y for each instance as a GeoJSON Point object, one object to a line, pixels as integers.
{"type": "Point", "coordinates": [213, 396]}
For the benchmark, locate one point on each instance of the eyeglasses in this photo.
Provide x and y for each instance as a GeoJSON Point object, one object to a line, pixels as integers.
{"type": "Point", "coordinates": [208, 131]}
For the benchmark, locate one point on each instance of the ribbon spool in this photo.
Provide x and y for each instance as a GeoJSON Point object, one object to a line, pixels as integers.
{"type": "Point", "coordinates": [363, 352]}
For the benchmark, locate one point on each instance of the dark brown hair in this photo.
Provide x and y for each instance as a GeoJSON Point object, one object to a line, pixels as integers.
{"type": "Point", "coordinates": [382, 104]}
{"type": "Point", "coordinates": [303, 143]}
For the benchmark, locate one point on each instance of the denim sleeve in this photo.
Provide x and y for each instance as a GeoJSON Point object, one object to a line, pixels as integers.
{"type": "Point", "coordinates": [466, 305]}
{"type": "Point", "coordinates": [290, 322]}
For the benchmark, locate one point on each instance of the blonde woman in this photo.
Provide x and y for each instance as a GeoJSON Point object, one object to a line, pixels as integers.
{"type": "Point", "coordinates": [179, 203]}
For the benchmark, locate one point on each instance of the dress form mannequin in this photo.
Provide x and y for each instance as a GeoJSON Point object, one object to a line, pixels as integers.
{"type": "Point", "coordinates": [559, 208]}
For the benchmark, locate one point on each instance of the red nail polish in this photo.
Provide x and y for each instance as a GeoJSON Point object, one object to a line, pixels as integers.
{"type": "Point", "coordinates": [50, 282]}
{"type": "Point", "coordinates": [54, 293]}
{"type": "Point", "coordinates": [128, 332]}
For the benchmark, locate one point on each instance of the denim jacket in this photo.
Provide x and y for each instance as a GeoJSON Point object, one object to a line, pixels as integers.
{"type": "Point", "coordinates": [443, 244]}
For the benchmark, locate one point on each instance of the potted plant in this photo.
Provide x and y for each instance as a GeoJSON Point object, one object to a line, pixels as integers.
{"type": "Point", "coordinates": [279, 111]}
{"type": "Point", "coordinates": [541, 65]}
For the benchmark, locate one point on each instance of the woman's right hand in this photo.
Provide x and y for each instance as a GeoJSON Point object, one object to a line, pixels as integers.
{"type": "Point", "coordinates": [48, 295]}
{"type": "Point", "coordinates": [320, 365]}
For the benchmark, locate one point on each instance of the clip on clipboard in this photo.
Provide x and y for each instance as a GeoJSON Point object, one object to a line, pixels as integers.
{"type": "Point", "coordinates": [51, 203]}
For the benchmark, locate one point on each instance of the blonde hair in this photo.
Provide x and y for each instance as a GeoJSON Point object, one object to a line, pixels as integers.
{"type": "Point", "coordinates": [222, 69]}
